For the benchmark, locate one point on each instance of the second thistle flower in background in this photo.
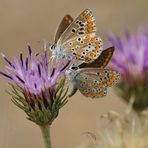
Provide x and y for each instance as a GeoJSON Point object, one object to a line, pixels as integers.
{"type": "Point", "coordinates": [131, 60]}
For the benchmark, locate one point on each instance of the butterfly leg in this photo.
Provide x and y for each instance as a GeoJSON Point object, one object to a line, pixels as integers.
{"type": "Point", "coordinates": [73, 89]}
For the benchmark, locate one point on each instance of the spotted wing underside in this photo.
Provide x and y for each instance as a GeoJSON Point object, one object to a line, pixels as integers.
{"type": "Point", "coordinates": [83, 24]}
{"type": "Point", "coordinates": [79, 39]}
{"type": "Point", "coordinates": [101, 61]}
{"type": "Point", "coordinates": [93, 82]}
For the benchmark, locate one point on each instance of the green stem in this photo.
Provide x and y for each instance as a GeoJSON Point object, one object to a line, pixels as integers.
{"type": "Point", "coordinates": [46, 135]}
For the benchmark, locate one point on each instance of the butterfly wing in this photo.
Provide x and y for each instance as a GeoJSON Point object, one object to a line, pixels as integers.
{"type": "Point", "coordinates": [79, 39]}
{"type": "Point", "coordinates": [83, 24]}
{"type": "Point", "coordinates": [85, 48]}
{"type": "Point", "coordinates": [66, 21]}
{"type": "Point", "coordinates": [101, 61]}
{"type": "Point", "coordinates": [93, 82]}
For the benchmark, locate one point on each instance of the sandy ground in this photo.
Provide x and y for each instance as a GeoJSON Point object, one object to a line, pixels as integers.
{"type": "Point", "coordinates": [23, 21]}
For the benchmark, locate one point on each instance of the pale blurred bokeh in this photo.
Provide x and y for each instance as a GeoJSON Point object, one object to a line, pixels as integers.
{"type": "Point", "coordinates": [23, 21]}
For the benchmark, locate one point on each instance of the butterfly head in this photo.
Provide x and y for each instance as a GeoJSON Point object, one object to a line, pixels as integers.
{"type": "Point", "coordinates": [56, 53]}
{"type": "Point", "coordinates": [72, 72]}
{"type": "Point", "coordinates": [52, 47]}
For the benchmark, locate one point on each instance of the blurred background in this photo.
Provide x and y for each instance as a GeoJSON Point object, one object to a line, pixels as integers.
{"type": "Point", "coordinates": [25, 21]}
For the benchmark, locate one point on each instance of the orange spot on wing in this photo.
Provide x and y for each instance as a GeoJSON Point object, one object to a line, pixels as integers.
{"type": "Point", "coordinates": [93, 39]}
{"type": "Point", "coordinates": [95, 51]}
{"type": "Point", "coordinates": [84, 13]}
{"type": "Point", "coordinates": [100, 94]}
{"type": "Point", "coordinates": [69, 21]}
{"type": "Point", "coordinates": [86, 59]}
{"type": "Point", "coordinates": [97, 45]}
{"type": "Point", "coordinates": [88, 37]}
{"type": "Point", "coordinates": [90, 30]}
{"type": "Point", "coordinates": [91, 55]}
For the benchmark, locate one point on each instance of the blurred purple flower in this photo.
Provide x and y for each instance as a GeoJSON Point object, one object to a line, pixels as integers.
{"type": "Point", "coordinates": [34, 75]}
{"type": "Point", "coordinates": [131, 56]}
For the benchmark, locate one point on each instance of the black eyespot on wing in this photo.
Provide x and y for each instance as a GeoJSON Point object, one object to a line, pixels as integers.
{"type": "Point", "coordinates": [73, 30]}
{"type": "Point", "coordinates": [108, 75]}
{"type": "Point", "coordinates": [105, 71]}
{"type": "Point", "coordinates": [70, 43]}
{"type": "Point", "coordinates": [81, 33]}
{"type": "Point", "coordinates": [81, 29]}
{"type": "Point", "coordinates": [79, 39]}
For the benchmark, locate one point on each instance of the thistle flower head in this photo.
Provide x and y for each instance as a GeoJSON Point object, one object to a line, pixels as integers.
{"type": "Point", "coordinates": [35, 85]}
{"type": "Point", "coordinates": [131, 56]}
{"type": "Point", "coordinates": [131, 60]}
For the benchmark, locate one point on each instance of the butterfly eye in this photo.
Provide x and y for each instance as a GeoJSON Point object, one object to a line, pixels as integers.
{"type": "Point", "coordinates": [74, 68]}
{"type": "Point", "coordinates": [52, 47]}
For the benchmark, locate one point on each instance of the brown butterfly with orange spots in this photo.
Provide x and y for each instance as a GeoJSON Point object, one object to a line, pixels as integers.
{"type": "Point", "coordinates": [77, 39]}
{"type": "Point", "coordinates": [90, 78]}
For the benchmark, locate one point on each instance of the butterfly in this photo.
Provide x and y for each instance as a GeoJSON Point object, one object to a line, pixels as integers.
{"type": "Point", "coordinates": [77, 39]}
{"type": "Point", "coordinates": [92, 79]}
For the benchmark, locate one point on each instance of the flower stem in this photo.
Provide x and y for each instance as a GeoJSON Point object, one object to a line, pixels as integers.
{"type": "Point", "coordinates": [46, 135]}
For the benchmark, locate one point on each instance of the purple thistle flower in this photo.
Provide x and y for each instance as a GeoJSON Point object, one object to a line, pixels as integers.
{"type": "Point", "coordinates": [131, 56]}
{"type": "Point", "coordinates": [38, 81]}
{"type": "Point", "coordinates": [131, 60]}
